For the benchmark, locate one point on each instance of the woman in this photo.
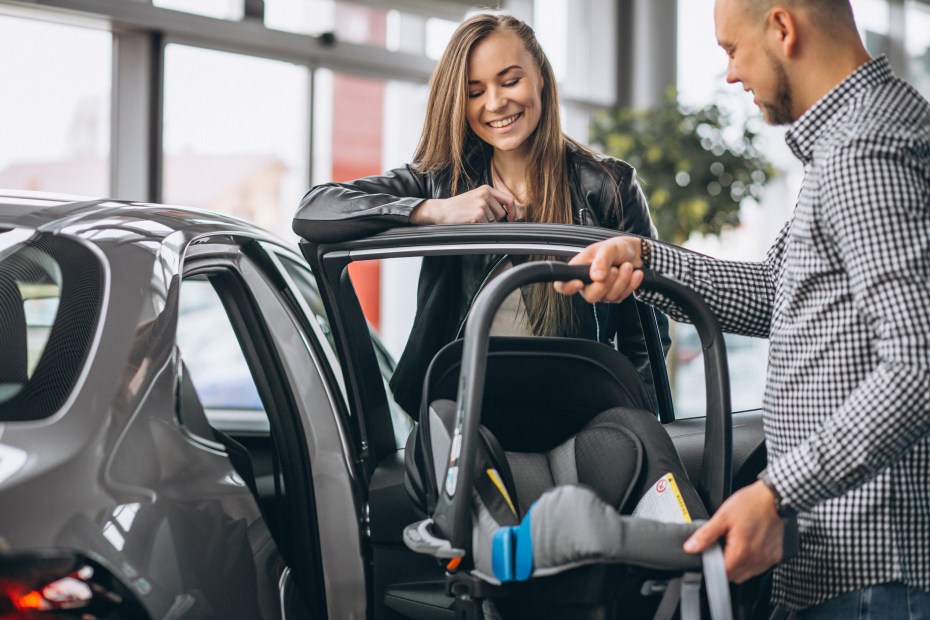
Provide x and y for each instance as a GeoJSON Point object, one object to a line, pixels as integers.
{"type": "Point", "coordinates": [491, 150]}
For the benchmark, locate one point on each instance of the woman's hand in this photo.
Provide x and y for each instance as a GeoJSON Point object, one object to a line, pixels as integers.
{"type": "Point", "coordinates": [481, 205]}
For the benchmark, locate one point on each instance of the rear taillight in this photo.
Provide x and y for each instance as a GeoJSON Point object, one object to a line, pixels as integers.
{"type": "Point", "coordinates": [64, 585]}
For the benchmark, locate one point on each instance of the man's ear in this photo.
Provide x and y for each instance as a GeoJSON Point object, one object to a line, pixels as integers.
{"type": "Point", "coordinates": [783, 30]}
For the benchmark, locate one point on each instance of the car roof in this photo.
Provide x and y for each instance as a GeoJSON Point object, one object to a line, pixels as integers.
{"type": "Point", "coordinates": [96, 219]}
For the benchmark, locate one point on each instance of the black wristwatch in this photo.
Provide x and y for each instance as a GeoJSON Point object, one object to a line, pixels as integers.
{"type": "Point", "coordinates": [780, 508]}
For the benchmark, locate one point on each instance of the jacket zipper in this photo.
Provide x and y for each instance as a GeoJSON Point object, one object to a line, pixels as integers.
{"type": "Point", "coordinates": [583, 219]}
{"type": "Point", "coordinates": [484, 283]}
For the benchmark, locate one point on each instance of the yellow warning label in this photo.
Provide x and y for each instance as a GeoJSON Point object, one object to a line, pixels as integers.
{"type": "Point", "coordinates": [496, 479]}
{"type": "Point", "coordinates": [663, 502]}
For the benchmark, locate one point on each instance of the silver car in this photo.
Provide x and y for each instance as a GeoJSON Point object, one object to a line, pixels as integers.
{"type": "Point", "coordinates": [159, 371]}
{"type": "Point", "coordinates": [195, 424]}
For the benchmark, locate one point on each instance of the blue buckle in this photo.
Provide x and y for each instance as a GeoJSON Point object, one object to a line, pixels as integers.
{"type": "Point", "coordinates": [502, 547]}
{"type": "Point", "coordinates": [512, 551]}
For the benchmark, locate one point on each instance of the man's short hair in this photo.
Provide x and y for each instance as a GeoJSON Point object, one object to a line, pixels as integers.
{"type": "Point", "coordinates": [827, 14]}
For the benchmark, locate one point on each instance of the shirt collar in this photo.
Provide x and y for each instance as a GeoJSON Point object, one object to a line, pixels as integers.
{"type": "Point", "coordinates": [806, 131]}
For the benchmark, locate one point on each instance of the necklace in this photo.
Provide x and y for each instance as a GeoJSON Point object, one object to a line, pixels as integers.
{"type": "Point", "coordinates": [519, 202]}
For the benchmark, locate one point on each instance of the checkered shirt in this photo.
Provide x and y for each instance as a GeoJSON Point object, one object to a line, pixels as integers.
{"type": "Point", "coordinates": [844, 297]}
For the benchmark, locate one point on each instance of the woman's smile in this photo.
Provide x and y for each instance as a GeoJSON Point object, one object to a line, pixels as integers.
{"type": "Point", "coordinates": [504, 122]}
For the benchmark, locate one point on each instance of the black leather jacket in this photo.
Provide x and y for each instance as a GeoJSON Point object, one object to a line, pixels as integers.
{"type": "Point", "coordinates": [604, 193]}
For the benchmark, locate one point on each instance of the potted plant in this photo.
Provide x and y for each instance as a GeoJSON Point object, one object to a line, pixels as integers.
{"type": "Point", "coordinates": [695, 166]}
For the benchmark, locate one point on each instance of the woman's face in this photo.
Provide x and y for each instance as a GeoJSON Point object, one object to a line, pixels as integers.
{"type": "Point", "coordinates": [504, 92]}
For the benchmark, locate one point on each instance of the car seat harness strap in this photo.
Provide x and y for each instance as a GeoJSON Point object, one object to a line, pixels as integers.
{"type": "Point", "coordinates": [686, 590]}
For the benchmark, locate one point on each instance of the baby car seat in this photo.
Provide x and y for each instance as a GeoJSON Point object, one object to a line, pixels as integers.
{"type": "Point", "coordinates": [552, 490]}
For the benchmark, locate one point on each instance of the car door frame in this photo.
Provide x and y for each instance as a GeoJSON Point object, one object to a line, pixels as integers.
{"type": "Point", "coordinates": [367, 398]}
{"type": "Point", "coordinates": [318, 471]}
{"type": "Point", "coordinates": [368, 406]}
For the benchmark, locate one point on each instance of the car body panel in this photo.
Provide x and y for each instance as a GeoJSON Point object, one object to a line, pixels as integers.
{"type": "Point", "coordinates": [115, 455]}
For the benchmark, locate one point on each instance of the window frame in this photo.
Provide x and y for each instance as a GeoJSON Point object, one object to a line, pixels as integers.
{"type": "Point", "coordinates": [368, 400]}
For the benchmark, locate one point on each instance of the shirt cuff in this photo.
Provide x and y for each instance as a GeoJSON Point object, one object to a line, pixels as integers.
{"type": "Point", "coordinates": [667, 261]}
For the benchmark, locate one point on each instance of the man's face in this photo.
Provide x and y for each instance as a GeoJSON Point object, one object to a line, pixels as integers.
{"type": "Point", "coordinates": [752, 63]}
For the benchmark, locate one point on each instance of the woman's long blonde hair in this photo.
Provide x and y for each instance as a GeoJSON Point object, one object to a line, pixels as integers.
{"type": "Point", "coordinates": [449, 146]}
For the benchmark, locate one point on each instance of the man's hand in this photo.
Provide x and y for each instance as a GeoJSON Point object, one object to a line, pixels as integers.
{"type": "Point", "coordinates": [481, 205]}
{"type": "Point", "coordinates": [753, 533]}
{"type": "Point", "coordinates": [614, 264]}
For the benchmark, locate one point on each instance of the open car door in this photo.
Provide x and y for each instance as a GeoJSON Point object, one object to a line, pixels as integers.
{"type": "Point", "coordinates": [401, 583]}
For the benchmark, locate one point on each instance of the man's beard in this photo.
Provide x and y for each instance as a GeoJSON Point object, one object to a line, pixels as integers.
{"type": "Point", "coordinates": [779, 111]}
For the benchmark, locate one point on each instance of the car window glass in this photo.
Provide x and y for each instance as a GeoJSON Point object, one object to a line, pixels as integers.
{"type": "Point", "coordinates": [307, 288]}
{"type": "Point", "coordinates": [39, 311]}
{"type": "Point", "coordinates": [400, 419]}
{"type": "Point", "coordinates": [215, 361]}
{"type": "Point", "coordinates": [30, 290]}
{"type": "Point", "coordinates": [301, 280]}
{"type": "Point", "coordinates": [746, 359]}
{"type": "Point", "coordinates": [51, 293]}
{"type": "Point", "coordinates": [385, 288]}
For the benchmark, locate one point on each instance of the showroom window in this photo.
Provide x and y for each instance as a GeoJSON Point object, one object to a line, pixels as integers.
{"type": "Point", "coordinates": [702, 80]}
{"type": "Point", "coordinates": [872, 17]}
{"type": "Point", "coordinates": [363, 127]}
{"type": "Point", "coordinates": [235, 149]}
{"type": "Point", "coordinates": [438, 33]}
{"type": "Point", "coordinates": [55, 112]}
{"type": "Point", "coordinates": [550, 22]}
{"type": "Point", "coordinates": [918, 46]}
{"type": "Point", "coordinates": [354, 22]}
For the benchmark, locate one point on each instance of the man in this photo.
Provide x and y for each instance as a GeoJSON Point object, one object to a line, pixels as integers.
{"type": "Point", "coordinates": [844, 296]}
